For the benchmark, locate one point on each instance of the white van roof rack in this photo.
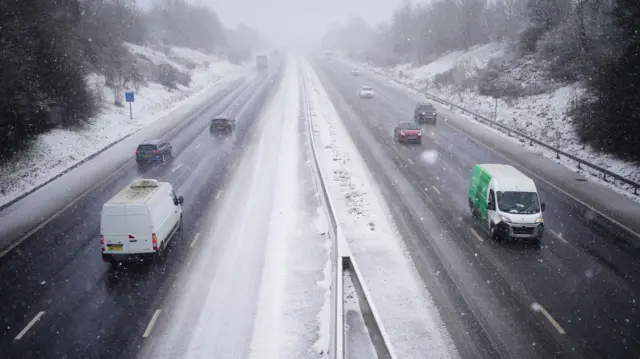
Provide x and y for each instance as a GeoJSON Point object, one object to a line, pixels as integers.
{"type": "Point", "coordinates": [142, 183]}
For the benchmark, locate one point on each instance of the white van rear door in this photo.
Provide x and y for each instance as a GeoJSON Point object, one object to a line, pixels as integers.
{"type": "Point", "coordinates": [139, 230]}
{"type": "Point", "coordinates": [114, 232]}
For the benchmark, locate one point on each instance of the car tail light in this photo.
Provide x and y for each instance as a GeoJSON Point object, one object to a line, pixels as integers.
{"type": "Point", "coordinates": [102, 242]}
{"type": "Point", "coordinates": [156, 152]}
{"type": "Point", "coordinates": [137, 152]}
{"type": "Point", "coordinates": [154, 240]}
{"type": "Point", "coordinates": [419, 134]}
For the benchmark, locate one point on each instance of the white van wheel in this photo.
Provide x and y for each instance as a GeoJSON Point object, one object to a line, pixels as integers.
{"type": "Point", "coordinates": [492, 232]}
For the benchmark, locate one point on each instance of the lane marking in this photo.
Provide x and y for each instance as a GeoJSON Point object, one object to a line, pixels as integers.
{"type": "Point", "coordinates": [410, 161]}
{"type": "Point", "coordinates": [559, 236]}
{"type": "Point", "coordinates": [219, 194]}
{"type": "Point", "coordinates": [448, 123]}
{"type": "Point", "coordinates": [436, 189]}
{"type": "Point", "coordinates": [473, 231]}
{"type": "Point", "coordinates": [151, 324]}
{"type": "Point", "coordinates": [176, 168]}
{"type": "Point", "coordinates": [539, 308]}
{"type": "Point", "coordinates": [195, 239]}
{"type": "Point", "coordinates": [31, 323]}
{"type": "Point", "coordinates": [198, 145]}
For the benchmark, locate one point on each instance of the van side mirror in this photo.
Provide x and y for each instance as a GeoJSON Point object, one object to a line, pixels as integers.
{"type": "Point", "coordinates": [543, 206]}
{"type": "Point", "coordinates": [181, 200]}
{"type": "Point", "coordinates": [491, 206]}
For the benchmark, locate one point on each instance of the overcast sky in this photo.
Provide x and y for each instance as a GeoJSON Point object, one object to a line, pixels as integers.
{"type": "Point", "coordinates": [287, 21]}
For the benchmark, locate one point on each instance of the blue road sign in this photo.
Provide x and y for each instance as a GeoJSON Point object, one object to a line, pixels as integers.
{"type": "Point", "coordinates": [128, 96]}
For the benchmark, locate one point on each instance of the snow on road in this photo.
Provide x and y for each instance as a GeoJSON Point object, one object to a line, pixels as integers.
{"type": "Point", "coordinates": [407, 310]}
{"type": "Point", "coordinates": [252, 286]}
{"type": "Point", "coordinates": [54, 152]}
{"type": "Point", "coordinates": [544, 116]}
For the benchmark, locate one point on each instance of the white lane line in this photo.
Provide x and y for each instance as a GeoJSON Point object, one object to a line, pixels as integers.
{"type": "Point", "coordinates": [219, 194]}
{"type": "Point", "coordinates": [195, 239]}
{"type": "Point", "coordinates": [544, 180]}
{"type": "Point", "coordinates": [198, 145]}
{"type": "Point", "coordinates": [410, 161]}
{"type": "Point", "coordinates": [151, 324]}
{"type": "Point", "coordinates": [539, 308]}
{"type": "Point", "coordinates": [473, 231]}
{"type": "Point", "coordinates": [176, 168]}
{"type": "Point", "coordinates": [559, 236]}
{"type": "Point", "coordinates": [31, 323]}
{"type": "Point", "coordinates": [436, 189]}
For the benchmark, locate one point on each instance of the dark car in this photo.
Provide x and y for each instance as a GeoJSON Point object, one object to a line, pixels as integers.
{"type": "Point", "coordinates": [408, 132]}
{"type": "Point", "coordinates": [153, 151]}
{"type": "Point", "coordinates": [222, 127]}
{"type": "Point", "coordinates": [425, 112]}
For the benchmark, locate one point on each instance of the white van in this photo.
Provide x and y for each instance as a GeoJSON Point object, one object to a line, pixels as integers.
{"type": "Point", "coordinates": [507, 201]}
{"type": "Point", "coordinates": [140, 220]}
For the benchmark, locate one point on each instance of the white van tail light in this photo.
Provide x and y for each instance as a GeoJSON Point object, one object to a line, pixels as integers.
{"type": "Point", "coordinates": [131, 236]}
{"type": "Point", "coordinates": [154, 240]}
{"type": "Point", "coordinates": [102, 242]}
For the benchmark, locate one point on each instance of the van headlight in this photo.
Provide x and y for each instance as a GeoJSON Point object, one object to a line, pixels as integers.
{"type": "Point", "coordinates": [505, 219]}
{"type": "Point", "coordinates": [539, 220]}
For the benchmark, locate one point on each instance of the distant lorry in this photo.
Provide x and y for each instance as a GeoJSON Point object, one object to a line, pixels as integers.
{"type": "Point", "coordinates": [506, 201]}
{"type": "Point", "coordinates": [261, 62]}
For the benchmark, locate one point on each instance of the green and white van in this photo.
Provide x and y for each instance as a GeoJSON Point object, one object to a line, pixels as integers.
{"type": "Point", "coordinates": [507, 202]}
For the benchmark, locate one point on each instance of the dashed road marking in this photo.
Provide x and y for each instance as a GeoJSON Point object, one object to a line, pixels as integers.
{"type": "Point", "coordinates": [176, 168]}
{"type": "Point", "coordinates": [475, 234]}
{"type": "Point", "coordinates": [152, 322]}
{"type": "Point", "coordinates": [219, 194]}
{"type": "Point", "coordinates": [195, 239]}
{"type": "Point", "coordinates": [539, 308]}
{"type": "Point", "coordinates": [198, 145]}
{"type": "Point", "coordinates": [559, 236]}
{"type": "Point", "coordinates": [436, 189]}
{"type": "Point", "coordinates": [410, 161]}
{"type": "Point", "coordinates": [31, 323]}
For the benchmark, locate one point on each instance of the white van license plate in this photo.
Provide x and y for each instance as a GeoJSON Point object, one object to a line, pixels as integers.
{"type": "Point", "coordinates": [115, 247]}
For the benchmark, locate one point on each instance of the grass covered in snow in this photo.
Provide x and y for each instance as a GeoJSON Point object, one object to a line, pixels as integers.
{"type": "Point", "coordinates": [52, 153]}
{"type": "Point", "coordinates": [544, 116]}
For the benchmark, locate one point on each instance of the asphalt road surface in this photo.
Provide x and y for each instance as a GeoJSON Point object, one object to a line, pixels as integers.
{"type": "Point", "coordinates": [59, 300]}
{"type": "Point", "coordinates": [575, 296]}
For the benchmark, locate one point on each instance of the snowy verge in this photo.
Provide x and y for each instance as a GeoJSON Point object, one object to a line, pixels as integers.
{"type": "Point", "coordinates": [56, 151]}
{"type": "Point", "coordinates": [406, 308]}
{"type": "Point", "coordinates": [543, 117]}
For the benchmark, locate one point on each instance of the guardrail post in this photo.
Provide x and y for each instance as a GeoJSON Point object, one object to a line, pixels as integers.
{"type": "Point", "coordinates": [604, 177]}
{"type": "Point", "coordinates": [558, 155]}
{"type": "Point", "coordinates": [579, 162]}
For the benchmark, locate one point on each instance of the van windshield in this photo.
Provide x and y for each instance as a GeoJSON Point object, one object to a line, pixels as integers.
{"type": "Point", "coordinates": [518, 202]}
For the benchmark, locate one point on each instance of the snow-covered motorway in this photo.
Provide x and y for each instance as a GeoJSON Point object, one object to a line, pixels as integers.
{"type": "Point", "coordinates": [573, 297]}
{"type": "Point", "coordinates": [249, 274]}
{"type": "Point", "coordinates": [58, 299]}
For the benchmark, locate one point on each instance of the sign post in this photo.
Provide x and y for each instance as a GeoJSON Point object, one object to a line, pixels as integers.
{"type": "Point", "coordinates": [129, 97]}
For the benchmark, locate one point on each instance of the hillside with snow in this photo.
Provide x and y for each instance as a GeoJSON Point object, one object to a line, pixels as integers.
{"type": "Point", "coordinates": [543, 114]}
{"type": "Point", "coordinates": [167, 76]}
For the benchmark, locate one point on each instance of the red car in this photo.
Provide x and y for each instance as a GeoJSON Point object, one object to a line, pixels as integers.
{"type": "Point", "coordinates": [408, 132]}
